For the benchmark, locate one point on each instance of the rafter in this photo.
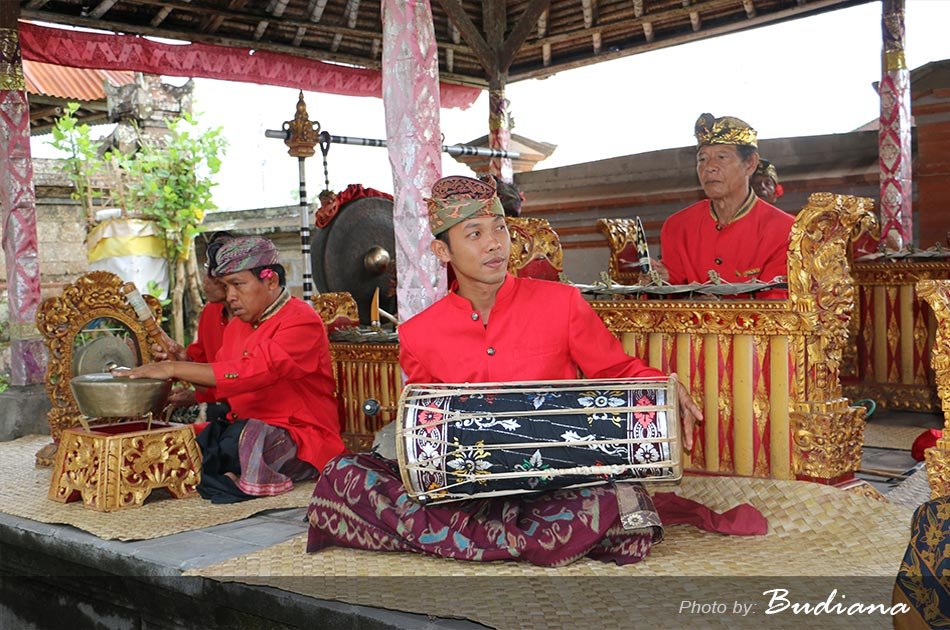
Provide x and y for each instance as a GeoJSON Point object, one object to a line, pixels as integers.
{"type": "Point", "coordinates": [596, 41]}
{"type": "Point", "coordinates": [521, 31]}
{"type": "Point", "coordinates": [351, 12]}
{"type": "Point", "coordinates": [637, 8]}
{"type": "Point", "coordinates": [275, 8]}
{"type": "Point", "coordinates": [590, 12]}
{"type": "Point", "coordinates": [749, 7]}
{"type": "Point", "coordinates": [457, 15]}
{"type": "Point", "coordinates": [695, 20]}
{"type": "Point", "coordinates": [648, 31]}
{"type": "Point", "coordinates": [102, 8]}
{"type": "Point", "coordinates": [543, 23]}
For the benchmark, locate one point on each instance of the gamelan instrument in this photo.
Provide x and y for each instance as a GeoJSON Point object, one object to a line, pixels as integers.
{"type": "Point", "coordinates": [460, 441]}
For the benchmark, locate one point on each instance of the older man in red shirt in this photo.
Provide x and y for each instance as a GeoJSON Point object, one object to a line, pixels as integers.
{"type": "Point", "coordinates": [732, 232]}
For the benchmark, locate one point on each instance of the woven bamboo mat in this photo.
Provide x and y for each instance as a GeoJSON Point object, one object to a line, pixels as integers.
{"type": "Point", "coordinates": [814, 530]}
{"type": "Point", "coordinates": [913, 491]}
{"type": "Point", "coordinates": [24, 488]}
{"type": "Point", "coordinates": [890, 436]}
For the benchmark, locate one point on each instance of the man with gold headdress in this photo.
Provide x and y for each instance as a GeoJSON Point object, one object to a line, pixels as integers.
{"type": "Point", "coordinates": [732, 232]}
{"type": "Point", "coordinates": [765, 182]}
{"type": "Point", "coordinates": [491, 327]}
{"type": "Point", "coordinates": [273, 370]}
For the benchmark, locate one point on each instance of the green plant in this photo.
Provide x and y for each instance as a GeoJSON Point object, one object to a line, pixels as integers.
{"type": "Point", "coordinates": [84, 167]}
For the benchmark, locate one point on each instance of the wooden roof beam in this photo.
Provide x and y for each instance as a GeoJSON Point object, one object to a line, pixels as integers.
{"type": "Point", "coordinates": [457, 15]}
{"type": "Point", "coordinates": [215, 22]}
{"type": "Point", "coordinates": [275, 8]}
{"type": "Point", "coordinates": [637, 8]}
{"type": "Point", "coordinates": [648, 31]}
{"type": "Point", "coordinates": [543, 23]}
{"type": "Point", "coordinates": [102, 8]}
{"type": "Point", "coordinates": [351, 13]}
{"type": "Point", "coordinates": [695, 20]}
{"type": "Point", "coordinates": [749, 7]}
{"type": "Point", "coordinates": [35, 4]}
{"type": "Point", "coordinates": [520, 32]}
{"type": "Point", "coordinates": [590, 12]}
{"type": "Point", "coordinates": [596, 42]}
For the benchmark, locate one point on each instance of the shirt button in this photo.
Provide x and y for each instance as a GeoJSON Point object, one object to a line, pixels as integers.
{"type": "Point", "coordinates": [491, 351]}
{"type": "Point", "coordinates": [719, 261]}
{"type": "Point", "coordinates": [718, 227]}
{"type": "Point", "coordinates": [474, 317]}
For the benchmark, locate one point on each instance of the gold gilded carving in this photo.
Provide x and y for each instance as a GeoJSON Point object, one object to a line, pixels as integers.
{"type": "Point", "coordinates": [827, 439]}
{"type": "Point", "coordinates": [937, 294]}
{"type": "Point", "coordinates": [331, 306]}
{"type": "Point", "coordinates": [533, 239]}
{"type": "Point", "coordinates": [371, 352]}
{"type": "Point", "coordinates": [118, 471]}
{"type": "Point", "coordinates": [11, 63]}
{"type": "Point", "coordinates": [620, 233]}
{"type": "Point", "coordinates": [302, 133]}
{"type": "Point", "coordinates": [60, 320]}
{"type": "Point", "coordinates": [899, 272]}
{"type": "Point", "coordinates": [819, 282]}
{"type": "Point", "coordinates": [895, 396]}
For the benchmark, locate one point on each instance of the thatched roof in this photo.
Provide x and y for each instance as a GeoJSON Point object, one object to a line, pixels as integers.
{"type": "Point", "coordinates": [530, 38]}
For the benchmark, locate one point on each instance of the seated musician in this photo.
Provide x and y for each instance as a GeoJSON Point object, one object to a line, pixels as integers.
{"type": "Point", "coordinates": [733, 232]}
{"type": "Point", "coordinates": [491, 327]}
{"type": "Point", "coordinates": [212, 321]}
{"type": "Point", "coordinates": [273, 370]}
{"type": "Point", "coordinates": [765, 182]}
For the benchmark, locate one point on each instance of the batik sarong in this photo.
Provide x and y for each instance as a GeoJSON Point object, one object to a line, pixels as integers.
{"type": "Point", "coordinates": [360, 502]}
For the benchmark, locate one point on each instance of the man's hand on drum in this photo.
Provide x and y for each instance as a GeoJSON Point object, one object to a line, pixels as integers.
{"type": "Point", "coordinates": [690, 414]}
{"type": "Point", "coordinates": [176, 352]}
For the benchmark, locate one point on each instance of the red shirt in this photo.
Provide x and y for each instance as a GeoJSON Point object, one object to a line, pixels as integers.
{"type": "Point", "coordinates": [279, 372]}
{"type": "Point", "coordinates": [211, 324]}
{"type": "Point", "coordinates": [754, 246]}
{"type": "Point", "coordinates": [537, 331]}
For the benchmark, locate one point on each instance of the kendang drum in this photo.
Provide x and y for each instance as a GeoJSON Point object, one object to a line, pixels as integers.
{"type": "Point", "coordinates": [462, 441]}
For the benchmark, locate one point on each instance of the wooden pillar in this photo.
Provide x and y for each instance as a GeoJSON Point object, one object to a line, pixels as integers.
{"type": "Point", "coordinates": [411, 101]}
{"type": "Point", "coordinates": [18, 208]}
{"type": "Point", "coordinates": [895, 134]}
{"type": "Point", "coordinates": [499, 128]}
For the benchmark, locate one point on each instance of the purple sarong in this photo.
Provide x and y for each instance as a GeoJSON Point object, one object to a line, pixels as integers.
{"type": "Point", "coordinates": [359, 502]}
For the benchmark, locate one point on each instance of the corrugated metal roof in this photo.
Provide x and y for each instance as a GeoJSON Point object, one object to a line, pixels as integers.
{"type": "Point", "coordinates": [78, 84]}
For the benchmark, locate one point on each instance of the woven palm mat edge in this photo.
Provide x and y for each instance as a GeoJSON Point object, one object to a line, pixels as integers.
{"type": "Point", "coordinates": [814, 530]}
{"type": "Point", "coordinates": [891, 436]}
{"type": "Point", "coordinates": [24, 489]}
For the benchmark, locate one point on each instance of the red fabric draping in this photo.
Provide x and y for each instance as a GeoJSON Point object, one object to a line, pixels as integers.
{"type": "Point", "coordinates": [742, 520]}
{"type": "Point", "coordinates": [80, 49]}
{"type": "Point", "coordinates": [925, 440]}
{"type": "Point", "coordinates": [327, 212]}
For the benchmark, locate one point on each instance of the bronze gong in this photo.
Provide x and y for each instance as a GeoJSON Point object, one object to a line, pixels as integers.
{"type": "Point", "coordinates": [356, 253]}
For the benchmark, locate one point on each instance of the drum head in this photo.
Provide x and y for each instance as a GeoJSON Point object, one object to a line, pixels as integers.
{"type": "Point", "coordinates": [339, 251]}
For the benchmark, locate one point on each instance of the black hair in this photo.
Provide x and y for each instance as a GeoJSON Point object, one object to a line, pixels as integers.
{"type": "Point", "coordinates": [444, 237]}
{"type": "Point", "coordinates": [276, 268]}
{"type": "Point", "coordinates": [746, 151]}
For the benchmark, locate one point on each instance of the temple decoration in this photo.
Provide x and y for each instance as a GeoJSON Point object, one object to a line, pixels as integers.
{"type": "Point", "coordinates": [887, 358]}
{"type": "Point", "coordinates": [624, 238]}
{"type": "Point", "coordinates": [894, 135]}
{"type": "Point", "coordinates": [535, 249]}
{"type": "Point", "coordinates": [63, 322]}
{"type": "Point", "coordinates": [937, 294]}
{"type": "Point", "coordinates": [499, 133]}
{"type": "Point", "coordinates": [411, 100]}
{"type": "Point", "coordinates": [18, 216]}
{"type": "Point", "coordinates": [303, 135]}
{"type": "Point", "coordinates": [337, 310]}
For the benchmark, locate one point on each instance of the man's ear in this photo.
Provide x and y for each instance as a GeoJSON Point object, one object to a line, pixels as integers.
{"type": "Point", "coordinates": [752, 163]}
{"type": "Point", "coordinates": [441, 250]}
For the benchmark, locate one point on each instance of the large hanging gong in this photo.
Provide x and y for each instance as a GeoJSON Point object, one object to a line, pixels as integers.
{"type": "Point", "coordinates": [356, 253]}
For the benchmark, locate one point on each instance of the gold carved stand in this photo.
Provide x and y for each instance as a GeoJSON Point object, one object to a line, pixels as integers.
{"type": "Point", "coordinates": [937, 294]}
{"type": "Point", "coordinates": [887, 358]}
{"type": "Point", "coordinates": [766, 371]}
{"type": "Point", "coordinates": [112, 465]}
